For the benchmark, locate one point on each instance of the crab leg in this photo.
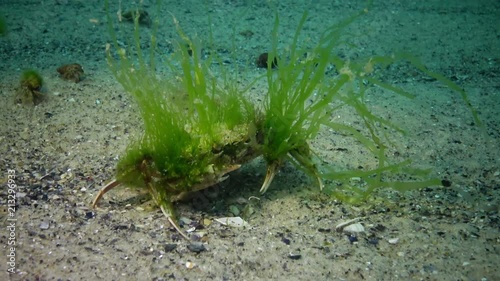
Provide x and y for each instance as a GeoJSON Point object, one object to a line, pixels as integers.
{"type": "Point", "coordinates": [112, 184]}
{"type": "Point", "coordinates": [168, 214]}
{"type": "Point", "coordinates": [306, 162]}
{"type": "Point", "coordinates": [272, 169]}
{"type": "Point", "coordinates": [165, 205]}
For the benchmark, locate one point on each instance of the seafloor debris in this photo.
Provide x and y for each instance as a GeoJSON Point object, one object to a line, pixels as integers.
{"type": "Point", "coordinates": [262, 61]}
{"type": "Point", "coordinates": [143, 17]}
{"type": "Point", "coordinates": [233, 221]}
{"type": "Point", "coordinates": [73, 72]}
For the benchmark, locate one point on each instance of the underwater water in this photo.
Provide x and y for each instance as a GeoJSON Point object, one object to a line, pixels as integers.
{"type": "Point", "coordinates": [57, 152]}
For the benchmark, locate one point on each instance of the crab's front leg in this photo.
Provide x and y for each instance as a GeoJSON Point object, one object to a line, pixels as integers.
{"type": "Point", "coordinates": [160, 199]}
{"type": "Point", "coordinates": [114, 183]}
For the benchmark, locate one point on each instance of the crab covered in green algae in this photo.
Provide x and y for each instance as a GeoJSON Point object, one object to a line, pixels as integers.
{"type": "Point", "coordinates": [199, 127]}
{"type": "Point", "coordinates": [30, 88]}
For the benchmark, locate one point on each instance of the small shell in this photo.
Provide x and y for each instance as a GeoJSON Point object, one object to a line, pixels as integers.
{"type": "Point", "coordinates": [393, 241]}
{"type": "Point", "coordinates": [354, 228]}
{"type": "Point", "coordinates": [339, 227]}
{"type": "Point", "coordinates": [233, 221]}
{"type": "Point", "coordinates": [190, 265]}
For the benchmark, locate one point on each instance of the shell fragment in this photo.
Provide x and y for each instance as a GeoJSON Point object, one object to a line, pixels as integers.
{"type": "Point", "coordinates": [233, 221]}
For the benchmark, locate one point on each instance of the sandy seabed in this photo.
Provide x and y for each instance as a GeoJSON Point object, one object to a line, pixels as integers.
{"type": "Point", "coordinates": [65, 148]}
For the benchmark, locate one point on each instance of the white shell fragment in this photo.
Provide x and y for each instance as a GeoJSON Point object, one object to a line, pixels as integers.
{"type": "Point", "coordinates": [354, 228]}
{"type": "Point", "coordinates": [189, 265]}
{"type": "Point", "coordinates": [393, 241]}
{"type": "Point", "coordinates": [233, 221]}
{"type": "Point", "coordinates": [340, 227]}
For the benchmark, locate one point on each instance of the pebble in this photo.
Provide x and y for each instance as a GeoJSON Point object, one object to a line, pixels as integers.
{"type": "Point", "coordinates": [89, 215]}
{"type": "Point", "coordinates": [20, 195]}
{"type": "Point", "coordinates": [352, 238]}
{"type": "Point", "coordinates": [196, 247]}
{"type": "Point", "coordinates": [207, 222]}
{"type": "Point", "coordinates": [294, 256]}
{"type": "Point", "coordinates": [285, 240]}
{"type": "Point", "coordinates": [184, 221]}
{"type": "Point", "coordinates": [44, 225]}
{"type": "Point", "coordinates": [241, 200]}
{"type": "Point", "coordinates": [234, 210]}
{"type": "Point", "coordinates": [169, 247]}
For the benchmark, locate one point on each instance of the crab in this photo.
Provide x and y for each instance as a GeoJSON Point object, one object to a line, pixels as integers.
{"type": "Point", "coordinates": [239, 146]}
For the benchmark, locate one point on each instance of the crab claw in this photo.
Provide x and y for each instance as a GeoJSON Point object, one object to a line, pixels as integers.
{"type": "Point", "coordinates": [272, 169]}
{"type": "Point", "coordinates": [112, 184]}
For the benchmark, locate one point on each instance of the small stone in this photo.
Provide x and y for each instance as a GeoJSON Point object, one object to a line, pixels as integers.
{"type": "Point", "coordinates": [89, 215]}
{"type": "Point", "coordinates": [196, 247]}
{"type": "Point", "coordinates": [44, 225]}
{"type": "Point", "coordinates": [234, 210]}
{"type": "Point", "coordinates": [352, 238]}
{"type": "Point", "coordinates": [241, 200]}
{"type": "Point", "coordinates": [207, 222]}
{"type": "Point", "coordinates": [169, 247]}
{"type": "Point", "coordinates": [184, 221]}
{"type": "Point", "coordinates": [294, 256]}
{"type": "Point", "coordinates": [198, 235]}
{"type": "Point", "coordinates": [20, 195]}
